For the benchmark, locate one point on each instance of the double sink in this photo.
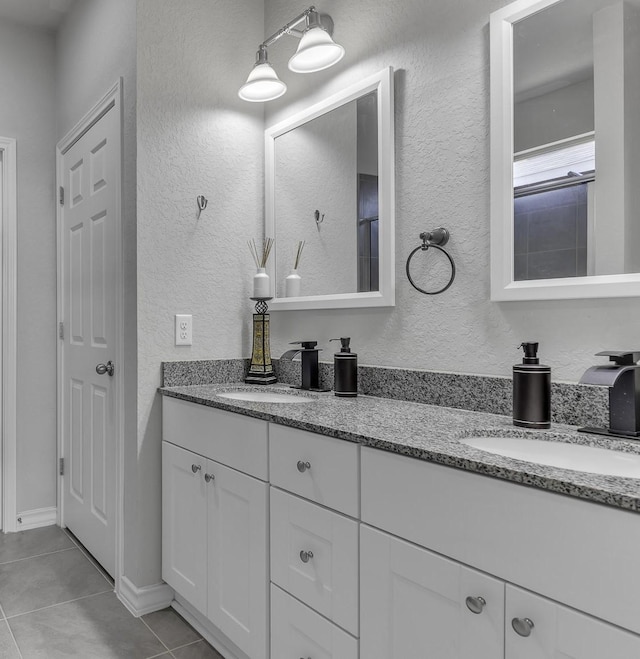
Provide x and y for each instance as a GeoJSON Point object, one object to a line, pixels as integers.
{"type": "Point", "coordinates": [554, 450]}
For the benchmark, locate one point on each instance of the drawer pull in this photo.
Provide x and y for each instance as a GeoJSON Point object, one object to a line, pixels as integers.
{"type": "Point", "coordinates": [306, 556]}
{"type": "Point", "coordinates": [303, 466]}
{"type": "Point", "coordinates": [475, 604]}
{"type": "Point", "coordinates": [209, 477]}
{"type": "Point", "coordinates": [195, 468]}
{"type": "Point", "coordinates": [522, 626]}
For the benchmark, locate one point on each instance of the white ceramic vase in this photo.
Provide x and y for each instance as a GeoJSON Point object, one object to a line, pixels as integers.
{"type": "Point", "coordinates": [292, 284]}
{"type": "Point", "coordinates": [261, 287]}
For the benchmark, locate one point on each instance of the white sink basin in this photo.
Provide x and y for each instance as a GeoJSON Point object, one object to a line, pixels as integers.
{"type": "Point", "coordinates": [252, 396]}
{"type": "Point", "coordinates": [576, 457]}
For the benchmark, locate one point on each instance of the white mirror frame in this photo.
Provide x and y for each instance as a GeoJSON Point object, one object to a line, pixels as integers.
{"type": "Point", "coordinates": [503, 286]}
{"type": "Point", "coordinates": [381, 82]}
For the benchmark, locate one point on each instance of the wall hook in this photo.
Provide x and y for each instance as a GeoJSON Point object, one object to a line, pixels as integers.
{"type": "Point", "coordinates": [319, 220]}
{"type": "Point", "coordinates": [202, 202]}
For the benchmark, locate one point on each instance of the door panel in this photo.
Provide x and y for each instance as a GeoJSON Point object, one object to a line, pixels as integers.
{"type": "Point", "coordinates": [91, 170]}
{"type": "Point", "coordinates": [412, 604]}
{"type": "Point", "coordinates": [238, 570]}
{"type": "Point", "coordinates": [184, 528]}
{"type": "Point", "coordinates": [562, 633]}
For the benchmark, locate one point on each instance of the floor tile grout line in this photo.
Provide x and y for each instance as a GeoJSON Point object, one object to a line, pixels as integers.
{"type": "Point", "coordinates": [88, 556]}
{"type": "Point", "coordinates": [161, 654]}
{"type": "Point", "coordinates": [164, 645]}
{"type": "Point", "coordinates": [186, 645]}
{"type": "Point", "coordinates": [50, 606]}
{"type": "Point", "coordinates": [46, 553]}
{"type": "Point", "coordinates": [15, 641]}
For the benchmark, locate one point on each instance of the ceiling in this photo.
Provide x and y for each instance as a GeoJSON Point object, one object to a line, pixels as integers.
{"type": "Point", "coordinates": [554, 48]}
{"type": "Point", "coordinates": [43, 14]}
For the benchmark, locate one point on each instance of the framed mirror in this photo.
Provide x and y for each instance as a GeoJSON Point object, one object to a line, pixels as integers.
{"type": "Point", "coordinates": [565, 149]}
{"type": "Point", "coordinates": [329, 183]}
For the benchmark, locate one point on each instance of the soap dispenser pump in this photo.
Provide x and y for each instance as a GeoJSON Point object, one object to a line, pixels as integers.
{"type": "Point", "coordinates": [345, 370]}
{"type": "Point", "coordinates": [531, 390]}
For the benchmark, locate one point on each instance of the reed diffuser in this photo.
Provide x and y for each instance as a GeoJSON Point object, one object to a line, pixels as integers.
{"type": "Point", "coordinates": [293, 281]}
{"type": "Point", "coordinates": [261, 284]}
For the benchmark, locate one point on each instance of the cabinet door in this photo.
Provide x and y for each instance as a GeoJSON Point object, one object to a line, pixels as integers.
{"type": "Point", "coordinates": [314, 556]}
{"type": "Point", "coordinates": [559, 632]}
{"type": "Point", "coordinates": [413, 604]}
{"type": "Point", "coordinates": [184, 524]}
{"type": "Point", "coordinates": [238, 572]}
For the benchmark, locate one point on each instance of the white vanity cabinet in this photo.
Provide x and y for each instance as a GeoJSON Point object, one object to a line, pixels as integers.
{"type": "Point", "coordinates": [215, 520]}
{"type": "Point", "coordinates": [414, 601]}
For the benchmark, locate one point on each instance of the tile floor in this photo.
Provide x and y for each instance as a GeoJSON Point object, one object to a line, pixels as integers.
{"type": "Point", "coordinates": [56, 602]}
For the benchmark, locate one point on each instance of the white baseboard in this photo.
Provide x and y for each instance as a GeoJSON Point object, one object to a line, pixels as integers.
{"type": "Point", "coordinates": [33, 519]}
{"type": "Point", "coordinates": [147, 599]}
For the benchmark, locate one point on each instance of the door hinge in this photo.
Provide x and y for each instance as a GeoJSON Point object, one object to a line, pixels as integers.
{"type": "Point", "coordinates": [61, 196]}
{"type": "Point", "coordinates": [61, 330]}
{"type": "Point", "coordinates": [61, 466]}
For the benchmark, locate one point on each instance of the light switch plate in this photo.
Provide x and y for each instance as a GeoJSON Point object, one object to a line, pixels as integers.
{"type": "Point", "coordinates": [184, 329]}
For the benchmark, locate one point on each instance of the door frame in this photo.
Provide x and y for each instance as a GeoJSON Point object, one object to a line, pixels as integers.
{"type": "Point", "coordinates": [112, 99]}
{"type": "Point", "coordinates": [9, 331]}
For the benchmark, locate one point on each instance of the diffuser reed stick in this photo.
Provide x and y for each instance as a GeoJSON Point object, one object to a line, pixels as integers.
{"type": "Point", "coordinates": [262, 257]}
{"type": "Point", "coordinates": [298, 254]}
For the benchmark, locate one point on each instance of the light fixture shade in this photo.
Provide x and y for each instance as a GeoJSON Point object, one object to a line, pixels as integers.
{"type": "Point", "coordinates": [316, 51]}
{"type": "Point", "coordinates": [262, 84]}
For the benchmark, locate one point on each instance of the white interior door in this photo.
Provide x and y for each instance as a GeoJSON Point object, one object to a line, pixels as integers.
{"type": "Point", "coordinates": [90, 171]}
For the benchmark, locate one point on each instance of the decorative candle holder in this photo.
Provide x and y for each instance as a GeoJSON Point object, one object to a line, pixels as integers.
{"type": "Point", "coordinates": [261, 368]}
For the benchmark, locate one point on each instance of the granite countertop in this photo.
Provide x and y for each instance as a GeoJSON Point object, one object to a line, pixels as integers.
{"type": "Point", "coordinates": [431, 433]}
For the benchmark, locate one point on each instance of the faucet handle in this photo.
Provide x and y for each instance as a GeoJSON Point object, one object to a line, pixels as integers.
{"type": "Point", "coordinates": [620, 358]}
{"type": "Point", "coordinates": [306, 345]}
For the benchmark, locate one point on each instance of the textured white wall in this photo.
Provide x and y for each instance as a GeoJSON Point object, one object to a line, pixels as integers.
{"type": "Point", "coordinates": [316, 169]}
{"type": "Point", "coordinates": [95, 46]}
{"type": "Point", "coordinates": [195, 136]}
{"type": "Point", "coordinates": [440, 51]}
{"type": "Point", "coordinates": [27, 113]}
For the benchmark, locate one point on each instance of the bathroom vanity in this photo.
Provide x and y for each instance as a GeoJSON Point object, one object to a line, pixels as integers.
{"type": "Point", "coordinates": [364, 527]}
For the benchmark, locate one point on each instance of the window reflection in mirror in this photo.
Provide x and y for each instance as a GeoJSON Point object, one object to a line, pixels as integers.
{"type": "Point", "coordinates": [576, 126]}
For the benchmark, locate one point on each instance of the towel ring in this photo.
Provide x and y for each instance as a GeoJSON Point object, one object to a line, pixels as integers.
{"type": "Point", "coordinates": [436, 238]}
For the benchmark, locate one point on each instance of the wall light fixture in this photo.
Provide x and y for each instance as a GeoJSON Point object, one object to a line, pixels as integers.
{"type": "Point", "coordinates": [316, 51]}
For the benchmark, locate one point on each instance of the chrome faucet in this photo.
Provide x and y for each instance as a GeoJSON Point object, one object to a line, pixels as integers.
{"type": "Point", "coordinates": [623, 379]}
{"type": "Point", "coordinates": [310, 363]}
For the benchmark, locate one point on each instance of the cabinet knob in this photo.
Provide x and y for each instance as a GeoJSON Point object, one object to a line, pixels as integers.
{"type": "Point", "coordinates": [195, 468]}
{"type": "Point", "coordinates": [303, 466]}
{"type": "Point", "coordinates": [475, 604]}
{"type": "Point", "coordinates": [522, 626]}
{"type": "Point", "coordinates": [306, 556]}
{"type": "Point", "coordinates": [209, 477]}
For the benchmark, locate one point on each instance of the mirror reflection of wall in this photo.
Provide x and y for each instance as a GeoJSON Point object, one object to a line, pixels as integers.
{"type": "Point", "coordinates": [576, 140]}
{"type": "Point", "coordinates": [329, 165]}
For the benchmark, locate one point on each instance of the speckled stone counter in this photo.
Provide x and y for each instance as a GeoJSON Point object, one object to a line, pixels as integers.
{"type": "Point", "coordinates": [432, 433]}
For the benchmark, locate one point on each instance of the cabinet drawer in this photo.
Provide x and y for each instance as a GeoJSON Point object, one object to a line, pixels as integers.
{"type": "Point", "coordinates": [332, 475]}
{"type": "Point", "coordinates": [297, 631]}
{"type": "Point", "coordinates": [314, 556]}
{"type": "Point", "coordinates": [542, 541]}
{"type": "Point", "coordinates": [231, 439]}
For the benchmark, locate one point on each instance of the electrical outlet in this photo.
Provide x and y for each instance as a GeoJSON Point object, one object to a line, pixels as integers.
{"type": "Point", "coordinates": [184, 329]}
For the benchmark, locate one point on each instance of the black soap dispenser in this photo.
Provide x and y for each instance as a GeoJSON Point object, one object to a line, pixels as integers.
{"type": "Point", "coordinates": [531, 390]}
{"type": "Point", "coordinates": [345, 370]}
